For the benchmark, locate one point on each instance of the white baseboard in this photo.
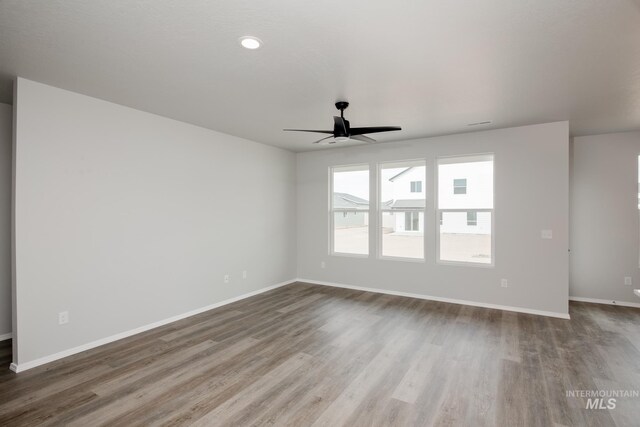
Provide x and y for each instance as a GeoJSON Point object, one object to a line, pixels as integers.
{"type": "Point", "coordinates": [606, 301]}
{"type": "Point", "coordinates": [441, 299]}
{"type": "Point", "coordinates": [41, 361]}
{"type": "Point", "coordinates": [6, 336]}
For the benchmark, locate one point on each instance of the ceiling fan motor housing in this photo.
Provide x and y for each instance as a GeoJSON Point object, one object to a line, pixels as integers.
{"type": "Point", "coordinates": [340, 131]}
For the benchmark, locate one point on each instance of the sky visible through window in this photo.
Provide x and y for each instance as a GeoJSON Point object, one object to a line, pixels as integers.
{"type": "Point", "coordinates": [355, 183]}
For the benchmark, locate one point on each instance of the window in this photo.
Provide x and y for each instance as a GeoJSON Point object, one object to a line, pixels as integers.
{"type": "Point", "coordinates": [460, 186]}
{"type": "Point", "coordinates": [472, 218]}
{"type": "Point", "coordinates": [349, 216]}
{"type": "Point", "coordinates": [402, 206]}
{"type": "Point", "coordinates": [466, 215]}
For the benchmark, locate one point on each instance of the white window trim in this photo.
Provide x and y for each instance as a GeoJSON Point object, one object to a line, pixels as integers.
{"type": "Point", "coordinates": [437, 211]}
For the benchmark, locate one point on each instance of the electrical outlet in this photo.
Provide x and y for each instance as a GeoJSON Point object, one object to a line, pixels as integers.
{"type": "Point", "coordinates": [627, 281]}
{"type": "Point", "coordinates": [504, 283]}
{"type": "Point", "coordinates": [63, 317]}
{"type": "Point", "coordinates": [546, 234]}
{"type": "Point", "coordinates": [226, 278]}
{"type": "Point", "coordinates": [322, 264]}
{"type": "Point", "coordinates": [244, 274]}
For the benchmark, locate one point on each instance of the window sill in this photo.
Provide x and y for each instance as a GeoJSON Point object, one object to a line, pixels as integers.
{"type": "Point", "coordinates": [346, 255]}
{"type": "Point", "coordinates": [403, 259]}
{"type": "Point", "coordinates": [465, 264]}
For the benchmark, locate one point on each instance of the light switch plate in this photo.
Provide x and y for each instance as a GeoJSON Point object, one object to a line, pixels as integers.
{"type": "Point", "coordinates": [546, 234]}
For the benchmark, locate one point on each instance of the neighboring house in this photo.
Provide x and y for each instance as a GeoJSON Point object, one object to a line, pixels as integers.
{"type": "Point", "coordinates": [458, 189]}
{"type": "Point", "coordinates": [462, 186]}
{"type": "Point", "coordinates": [405, 214]}
{"type": "Point", "coordinates": [350, 219]}
{"type": "Point", "coordinates": [409, 189]}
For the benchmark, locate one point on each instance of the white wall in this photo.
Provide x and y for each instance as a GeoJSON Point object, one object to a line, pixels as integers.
{"type": "Point", "coordinates": [6, 126]}
{"type": "Point", "coordinates": [605, 230]}
{"type": "Point", "coordinates": [121, 218]}
{"type": "Point", "coordinates": [531, 182]}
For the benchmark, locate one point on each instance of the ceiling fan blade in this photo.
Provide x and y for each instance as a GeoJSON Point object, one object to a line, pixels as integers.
{"type": "Point", "coordinates": [321, 139]}
{"type": "Point", "coordinates": [309, 130]}
{"type": "Point", "coordinates": [340, 126]}
{"type": "Point", "coordinates": [363, 138]}
{"type": "Point", "coordinates": [374, 129]}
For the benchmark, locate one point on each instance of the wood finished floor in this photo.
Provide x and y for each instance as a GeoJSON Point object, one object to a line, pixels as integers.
{"type": "Point", "coordinates": [310, 355]}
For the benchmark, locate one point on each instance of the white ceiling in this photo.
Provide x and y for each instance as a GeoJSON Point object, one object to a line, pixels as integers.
{"type": "Point", "coordinates": [429, 66]}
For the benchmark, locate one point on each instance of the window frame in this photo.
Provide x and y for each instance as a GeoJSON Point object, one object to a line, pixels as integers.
{"type": "Point", "coordinates": [438, 213]}
{"type": "Point", "coordinates": [381, 211]}
{"type": "Point", "coordinates": [418, 186]}
{"type": "Point", "coordinates": [332, 211]}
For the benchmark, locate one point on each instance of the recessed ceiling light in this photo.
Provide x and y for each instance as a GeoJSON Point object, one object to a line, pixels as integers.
{"type": "Point", "coordinates": [479, 123]}
{"type": "Point", "coordinates": [250, 42]}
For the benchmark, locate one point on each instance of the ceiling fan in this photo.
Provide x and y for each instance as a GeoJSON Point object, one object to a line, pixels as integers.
{"type": "Point", "coordinates": [343, 132]}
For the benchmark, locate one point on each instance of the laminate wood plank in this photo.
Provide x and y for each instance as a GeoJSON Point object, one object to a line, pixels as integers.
{"type": "Point", "coordinates": [259, 364]}
{"type": "Point", "coordinates": [509, 336]}
{"type": "Point", "coordinates": [301, 303]}
{"type": "Point", "coordinates": [341, 367]}
{"type": "Point", "coordinates": [185, 357]}
{"type": "Point", "coordinates": [229, 316]}
{"type": "Point", "coordinates": [625, 412]}
{"type": "Point", "coordinates": [426, 408]}
{"type": "Point", "coordinates": [255, 394]}
{"type": "Point", "coordinates": [33, 396]}
{"type": "Point", "coordinates": [40, 414]}
{"type": "Point", "coordinates": [342, 408]}
{"type": "Point", "coordinates": [484, 365]}
{"type": "Point", "coordinates": [132, 396]}
{"type": "Point", "coordinates": [305, 354]}
{"type": "Point", "coordinates": [416, 378]}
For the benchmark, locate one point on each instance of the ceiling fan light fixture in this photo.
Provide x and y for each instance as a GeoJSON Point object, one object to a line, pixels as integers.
{"type": "Point", "coordinates": [341, 138]}
{"type": "Point", "coordinates": [250, 42]}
